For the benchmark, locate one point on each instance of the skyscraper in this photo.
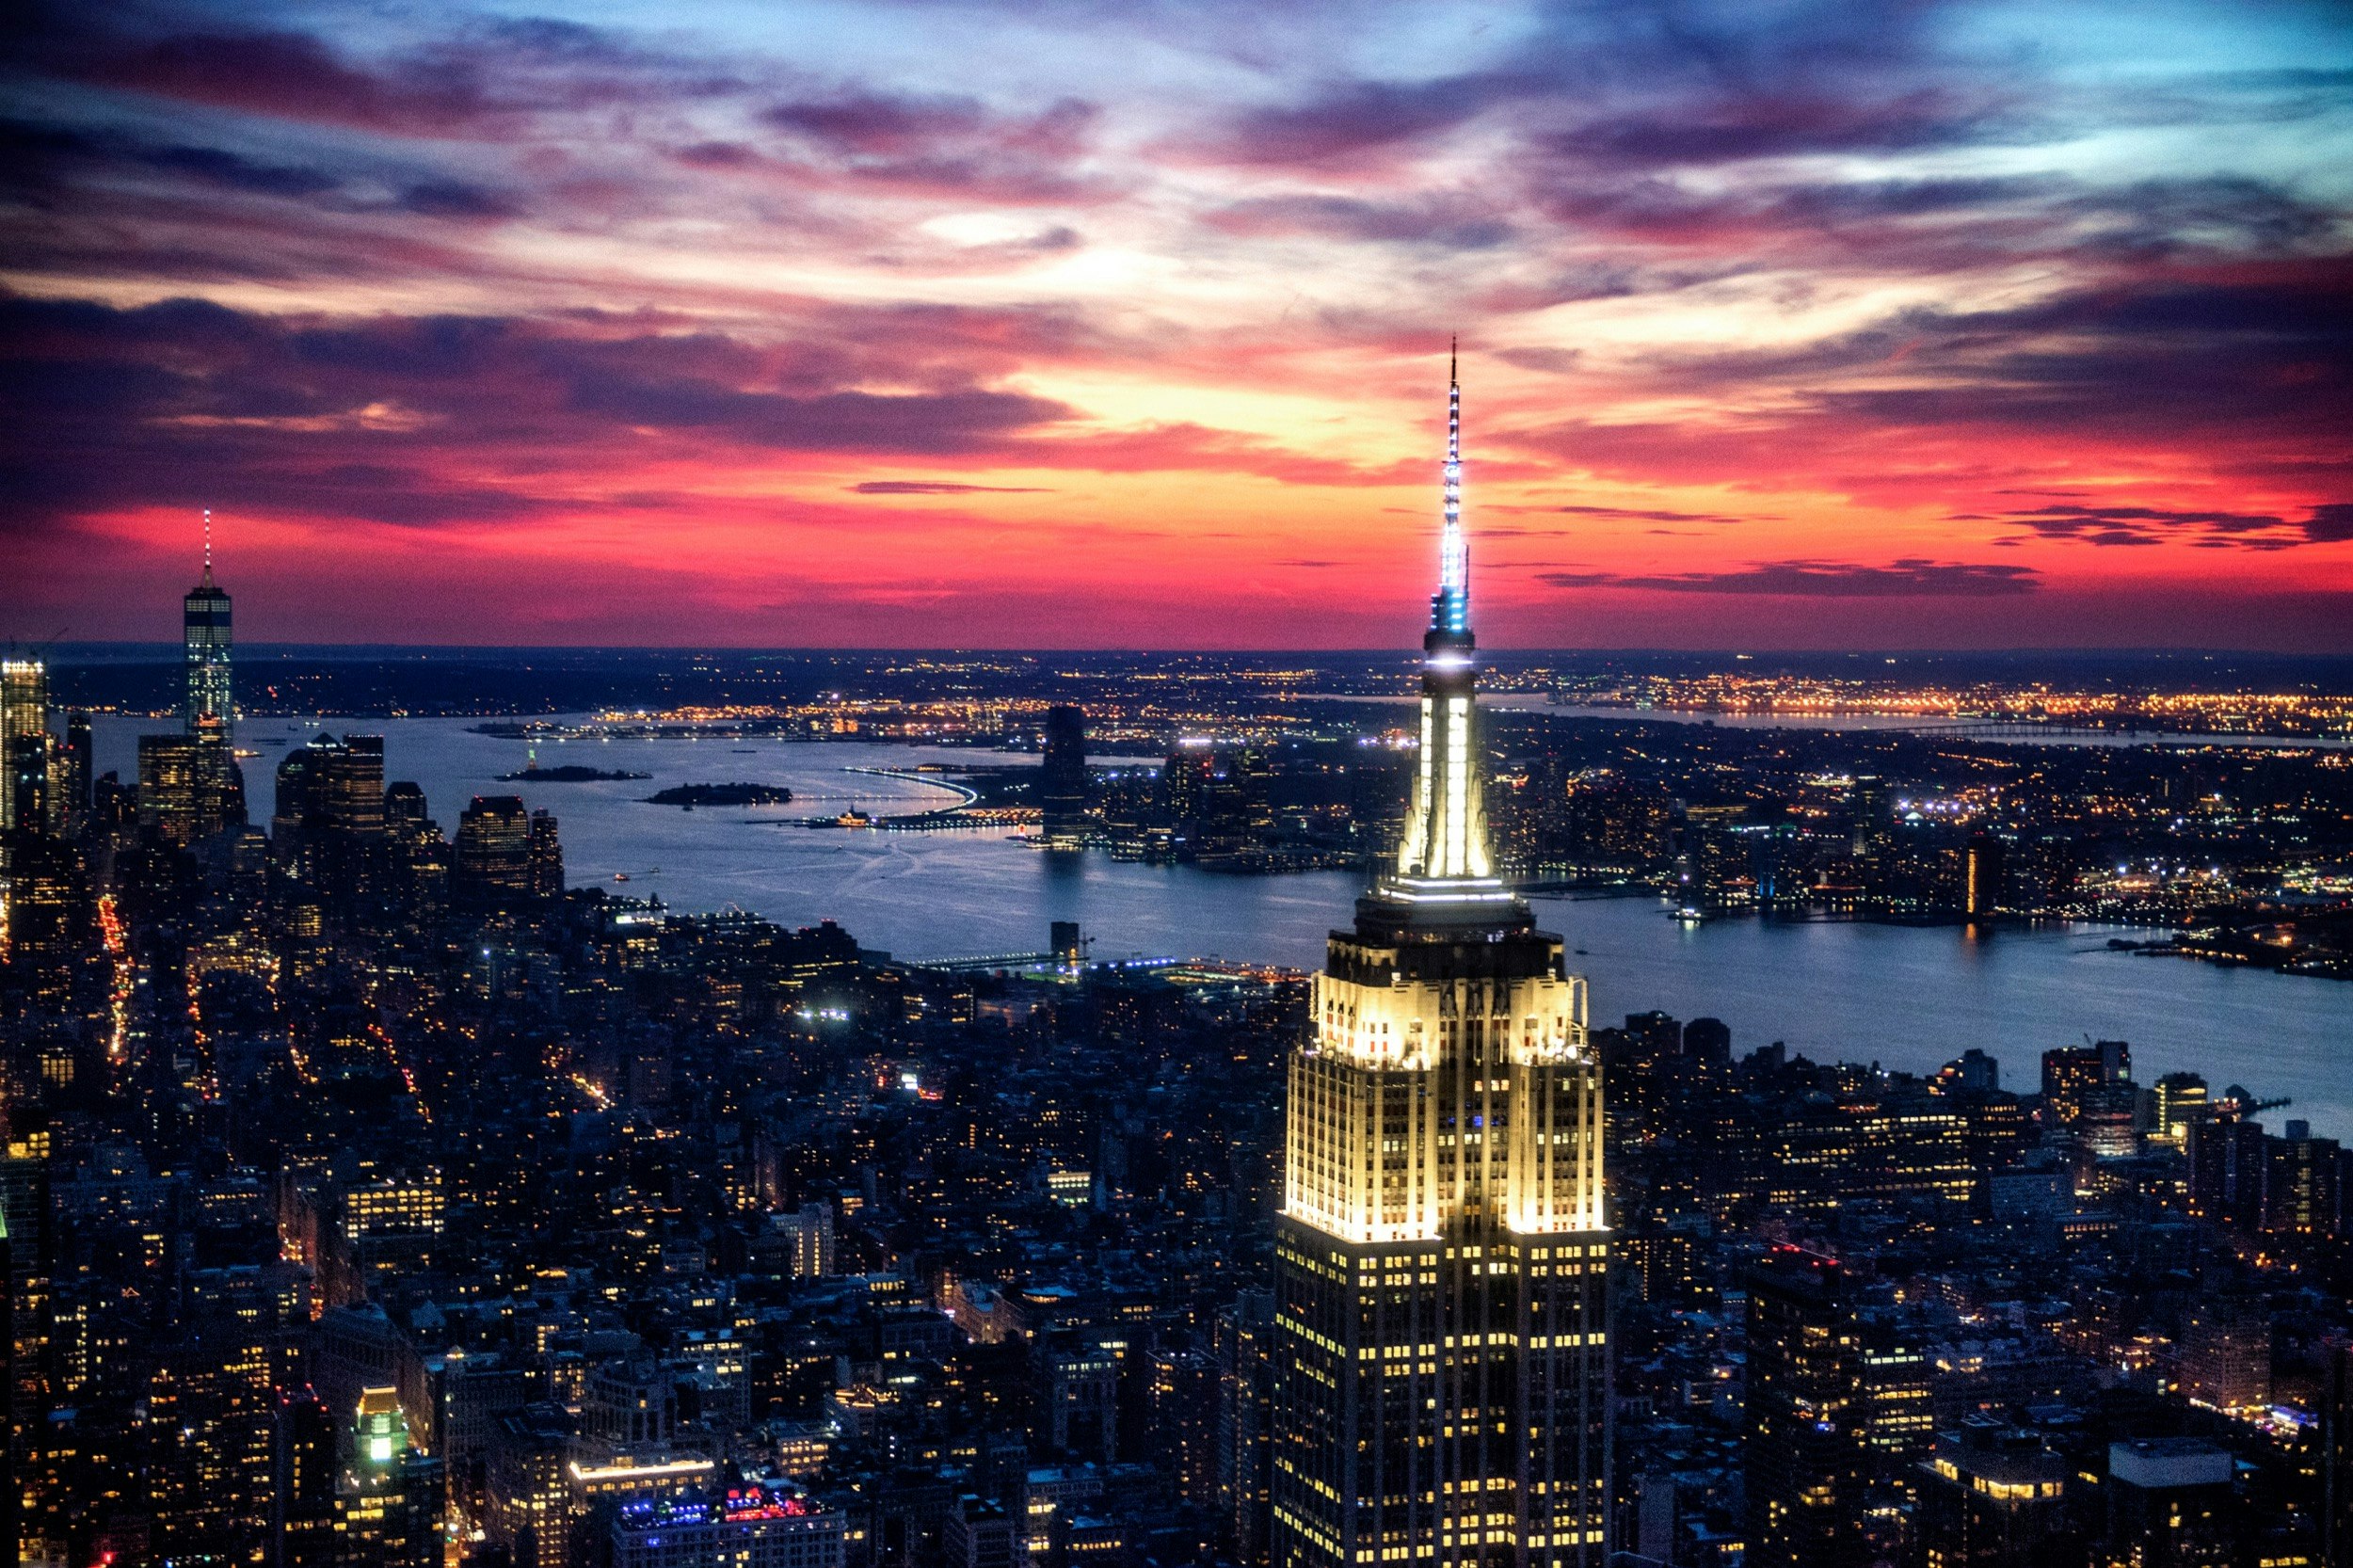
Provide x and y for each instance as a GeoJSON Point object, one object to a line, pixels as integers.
{"type": "Point", "coordinates": [33, 805]}
{"type": "Point", "coordinates": [24, 719]}
{"type": "Point", "coordinates": [2069, 1072]}
{"type": "Point", "coordinates": [1062, 778]}
{"type": "Point", "coordinates": [76, 766]}
{"type": "Point", "coordinates": [390, 1493]}
{"type": "Point", "coordinates": [49, 920]}
{"type": "Point", "coordinates": [417, 856]}
{"type": "Point", "coordinates": [546, 857]}
{"type": "Point", "coordinates": [493, 866]}
{"type": "Point", "coordinates": [1218, 800]}
{"type": "Point", "coordinates": [204, 623]}
{"type": "Point", "coordinates": [1981, 876]}
{"type": "Point", "coordinates": [33, 1504]}
{"type": "Point", "coordinates": [190, 787]}
{"type": "Point", "coordinates": [302, 1487]}
{"type": "Point", "coordinates": [2226, 1171]}
{"type": "Point", "coordinates": [1838, 1412]}
{"type": "Point", "coordinates": [1441, 1361]}
{"type": "Point", "coordinates": [1806, 1457]}
{"type": "Point", "coordinates": [330, 827]}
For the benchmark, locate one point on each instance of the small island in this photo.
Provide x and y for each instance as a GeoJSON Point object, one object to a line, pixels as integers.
{"type": "Point", "coordinates": [691, 795]}
{"type": "Point", "coordinates": [570, 773]}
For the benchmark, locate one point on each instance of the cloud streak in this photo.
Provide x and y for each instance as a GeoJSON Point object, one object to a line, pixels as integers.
{"type": "Point", "coordinates": [1903, 579]}
{"type": "Point", "coordinates": [941, 486]}
{"type": "Point", "coordinates": [2330, 524]}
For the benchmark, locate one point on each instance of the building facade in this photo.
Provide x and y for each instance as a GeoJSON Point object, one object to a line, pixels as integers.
{"type": "Point", "coordinates": [189, 785]}
{"type": "Point", "coordinates": [492, 867]}
{"type": "Point", "coordinates": [23, 730]}
{"type": "Point", "coordinates": [1440, 1340]}
{"type": "Point", "coordinates": [1062, 778]}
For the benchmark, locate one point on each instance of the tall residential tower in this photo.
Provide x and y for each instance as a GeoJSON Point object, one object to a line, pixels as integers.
{"type": "Point", "coordinates": [204, 620]}
{"type": "Point", "coordinates": [1441, 1336]}
{"type": "Point", "coordinates": [24, 735]}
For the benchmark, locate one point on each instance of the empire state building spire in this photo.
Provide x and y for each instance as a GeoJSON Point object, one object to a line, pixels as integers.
{"type": "Point", "coordinates": [1446, 833]}
{"type": "Point", "coordinates": [1449, 608]}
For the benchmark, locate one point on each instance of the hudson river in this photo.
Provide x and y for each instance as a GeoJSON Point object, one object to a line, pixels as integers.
{"type": "Point", "coordinates": [1911, 998]}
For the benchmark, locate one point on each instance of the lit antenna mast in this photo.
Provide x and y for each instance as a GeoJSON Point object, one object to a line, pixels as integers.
{"type": "Point", "coordinates": [1451, 610]}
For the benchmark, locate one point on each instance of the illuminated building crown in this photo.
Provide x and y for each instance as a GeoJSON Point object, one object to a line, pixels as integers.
{"type": "Point", "coordinates": [1443, 856]}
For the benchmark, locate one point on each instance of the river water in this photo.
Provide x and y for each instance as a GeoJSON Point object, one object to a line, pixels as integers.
{"type": "Point", "coordinates": [1909, 997]}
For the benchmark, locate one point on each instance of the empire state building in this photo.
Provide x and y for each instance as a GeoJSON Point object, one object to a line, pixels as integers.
{"type": "Point", "coordinates": [1442, 1360]}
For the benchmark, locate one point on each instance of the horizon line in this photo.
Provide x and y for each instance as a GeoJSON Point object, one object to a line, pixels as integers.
{"type": "Point", "coordinates": [168, 651]}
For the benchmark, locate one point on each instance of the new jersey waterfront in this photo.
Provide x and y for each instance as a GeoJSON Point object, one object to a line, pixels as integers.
{"type": "Point", "coordinates": [1912, 997]}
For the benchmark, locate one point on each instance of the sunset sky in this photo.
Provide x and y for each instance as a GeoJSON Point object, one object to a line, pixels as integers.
{"type": "Point", "coordinates": [1785, 325]}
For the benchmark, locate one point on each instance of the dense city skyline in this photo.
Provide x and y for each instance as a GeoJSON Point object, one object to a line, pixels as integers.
{"type": "Point", "coordinates": [373, 1197]}
{"type": "Point", "coordinates": [879, 1071]}
{"type": "Point", "coordinates": [1944, 325]}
